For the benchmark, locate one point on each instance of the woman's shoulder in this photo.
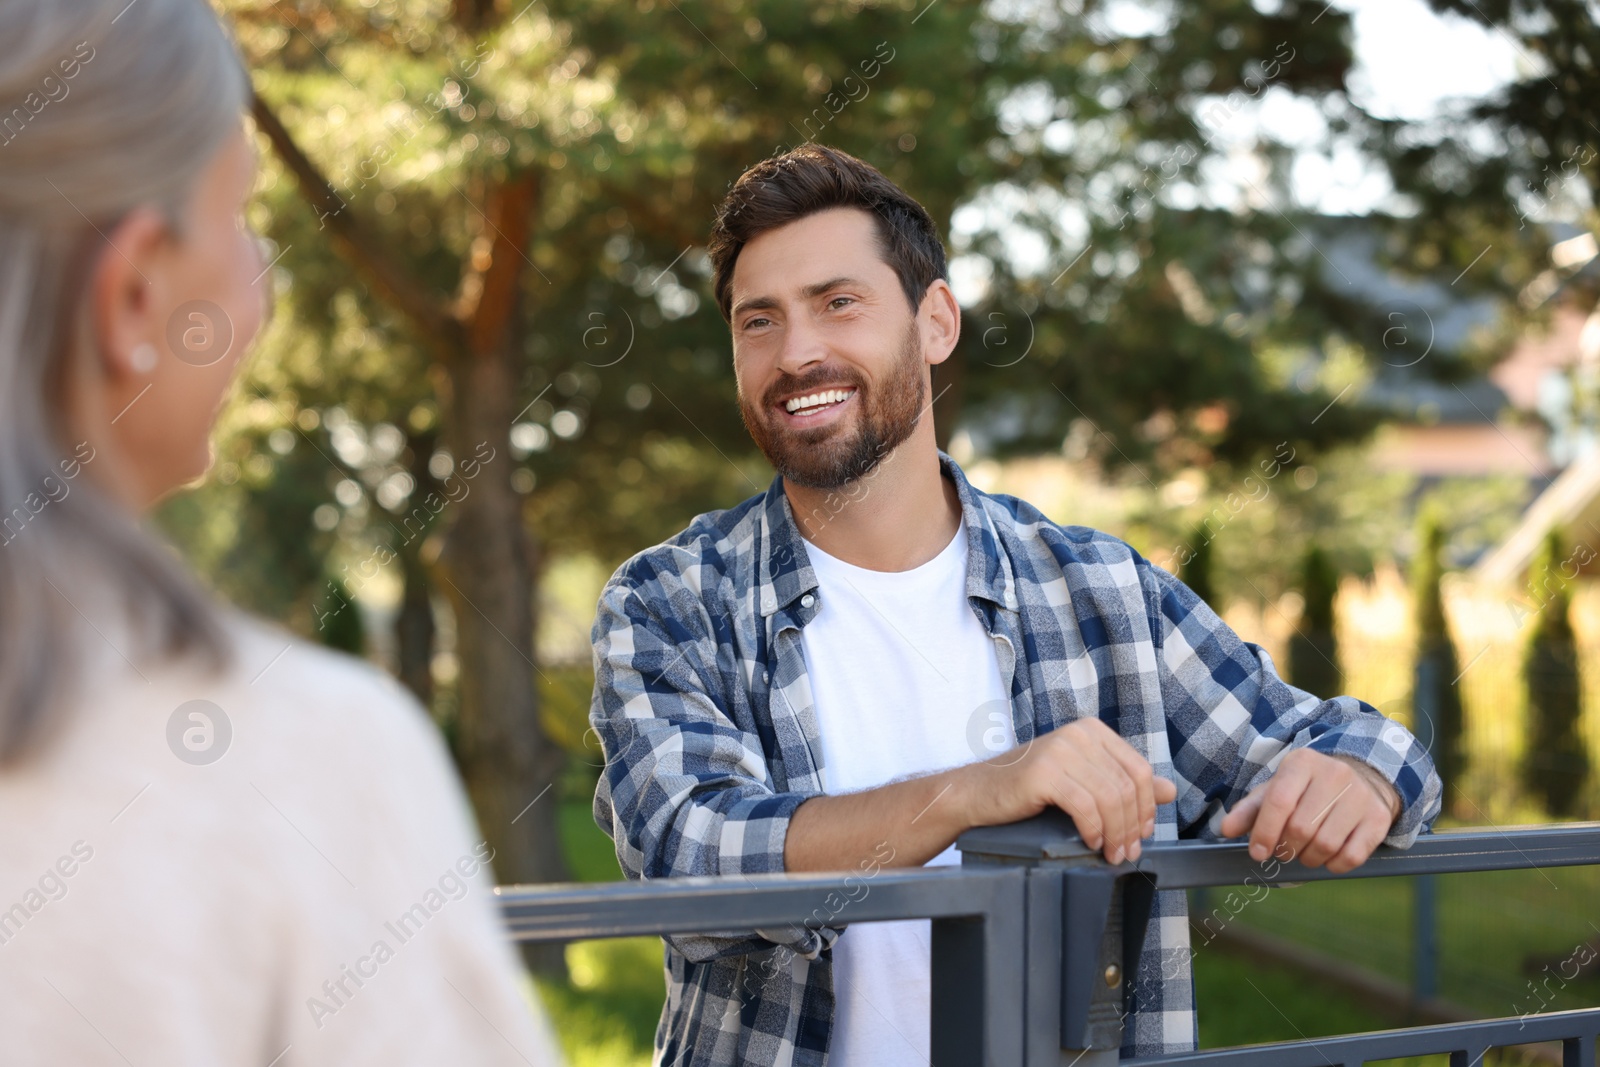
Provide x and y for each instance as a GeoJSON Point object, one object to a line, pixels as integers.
{"type": "Point", "coordinates": [326, 726]}
{"type": "Point", "coordinates": [244, 837]}
{"type": "Point", "coordinates": [314, 706]}
{"type": "Point", "coordinates": [270, 662]}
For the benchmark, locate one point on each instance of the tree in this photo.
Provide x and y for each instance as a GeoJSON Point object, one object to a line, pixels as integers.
{"type": "Point", "coordinates": [1314, 646]}
{"type": "Point", "coordinates": [1556, 762]}
{"type": "Point", "coordinates": [1436, 699]}
{"type": "Point", "coordinates": [465, 319]}
{"type": "Point", "coordinates": [1490, 183]}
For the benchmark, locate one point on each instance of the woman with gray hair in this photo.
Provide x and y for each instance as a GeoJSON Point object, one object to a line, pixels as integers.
{"type": "Point", "coordinates": [219, 844]}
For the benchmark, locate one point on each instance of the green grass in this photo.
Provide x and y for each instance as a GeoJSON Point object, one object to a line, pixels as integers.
{"type": "Point", "coordinates": [1489, 924]}
{"type": "Point", "coordinates": [1244, 1003]}
{"type": "Point", "coordinates": [606, 1013]}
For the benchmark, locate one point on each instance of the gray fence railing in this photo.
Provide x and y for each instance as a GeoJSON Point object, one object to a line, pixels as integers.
{"type": "Point", "coordinates": [1034, 934]}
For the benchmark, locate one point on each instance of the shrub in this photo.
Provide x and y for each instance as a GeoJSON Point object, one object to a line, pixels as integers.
{"type": "Point", "coordinates": [1313, 648]}
{"type": "Point", "coordinates": [1435, 695]}
{"type": "Point", "coordinates": [1555, 763]}
{"type": "Point", "coordinates": [1196, 571]}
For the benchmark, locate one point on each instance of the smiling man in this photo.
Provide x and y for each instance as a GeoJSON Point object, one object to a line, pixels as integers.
{"type": "Point", "coordinates": [852, 668]}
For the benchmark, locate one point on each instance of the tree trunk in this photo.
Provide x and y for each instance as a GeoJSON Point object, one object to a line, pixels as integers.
{"type": "Point", "coordinates": [510, 766]}
{"type": "Point", "coordinates": [414, 627]}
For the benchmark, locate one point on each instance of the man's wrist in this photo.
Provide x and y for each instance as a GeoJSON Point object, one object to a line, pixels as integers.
{"type": "Point", "coordinates": [967, 791]}
{"type": "Point", "coordinates": [1380, 785]}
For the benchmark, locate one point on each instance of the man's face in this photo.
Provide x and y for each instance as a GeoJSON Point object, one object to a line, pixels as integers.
{"type": "Point", "coordinates": [828, 356]}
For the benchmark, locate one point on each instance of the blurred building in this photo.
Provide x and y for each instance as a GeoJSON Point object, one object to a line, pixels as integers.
{"type": "Point", "coordinates": [1534, 415]}
{"type": "Point", "coordinates": [1556, 375]}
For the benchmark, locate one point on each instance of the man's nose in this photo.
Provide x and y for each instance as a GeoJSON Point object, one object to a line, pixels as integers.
{"type": "Point", "coordinates": [802, 346]}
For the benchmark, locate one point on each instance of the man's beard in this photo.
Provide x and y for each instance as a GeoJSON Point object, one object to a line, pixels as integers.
{"type": "Point", "coordinates": [831, 457]}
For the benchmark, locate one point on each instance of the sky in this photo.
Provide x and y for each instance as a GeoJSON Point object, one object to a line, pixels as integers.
{"type": "Point", "coordinates": [1410, 61]}
{"type": "Point", "coordinates": [1410, 64]}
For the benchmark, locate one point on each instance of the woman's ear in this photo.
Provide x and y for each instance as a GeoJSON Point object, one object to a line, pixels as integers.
{"type": "Point", "coordinates": [127, 291]}
{"type": "Point", "coordinates": [941, 322]}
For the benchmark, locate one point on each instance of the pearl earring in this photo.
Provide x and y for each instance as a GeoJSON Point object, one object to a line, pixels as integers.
{"type": "Point", "coordinates": [143, 358]}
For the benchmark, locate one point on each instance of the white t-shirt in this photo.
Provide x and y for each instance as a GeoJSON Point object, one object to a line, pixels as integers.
{"type": "Point", "coordinates": [905, 682]}
{"type": "Point", "coordinates": [317, 896]}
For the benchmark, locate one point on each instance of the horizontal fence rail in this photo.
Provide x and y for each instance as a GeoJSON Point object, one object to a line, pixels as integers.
{"type": "Point", "coordinates": [1466, 1043]}
{"type": "Point", "coordinates": [1195, 865]}
{"type": "Point", "coordinates": [977, 980]}
{"type": "Point", "coordinates": [1034, 933]}
{"type": "Point", "coordinates": [735, 905]}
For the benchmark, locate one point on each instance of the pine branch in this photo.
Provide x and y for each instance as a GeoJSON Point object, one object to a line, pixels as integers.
{"type": "Point", "coordinates": [362, 249]}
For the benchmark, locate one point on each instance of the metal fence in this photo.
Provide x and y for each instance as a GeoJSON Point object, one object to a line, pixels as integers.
{"type": "Point", "coordinates": [1034, 934]}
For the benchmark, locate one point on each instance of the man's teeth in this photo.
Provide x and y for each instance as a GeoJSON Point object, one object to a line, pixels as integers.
{"type": "Point", "coordinates": [827, 396]}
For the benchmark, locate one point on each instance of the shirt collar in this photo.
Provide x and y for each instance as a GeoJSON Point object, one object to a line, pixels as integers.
{"type": "Point", "coordinates": [786, 572]}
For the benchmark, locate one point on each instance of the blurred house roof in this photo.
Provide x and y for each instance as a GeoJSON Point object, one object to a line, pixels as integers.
{"type": "Point", "coordinates": [1462, 450]}
{"type": "Point", "coordinates": [1523, 418]}
{"type": "Point", "coordinates": [1481, 424]}
{"type": "Point", "coordinates": [1571, 503]}
{"type": "Point", "coordinates": [1536, 376]}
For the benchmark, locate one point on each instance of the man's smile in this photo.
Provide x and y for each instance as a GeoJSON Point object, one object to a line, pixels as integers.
{"type": "Point", "coordinates": [815, 408]}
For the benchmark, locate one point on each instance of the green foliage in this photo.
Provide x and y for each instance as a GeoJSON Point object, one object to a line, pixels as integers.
{"type": "Point", "coordinates": [338, 620]}
{"type": "Point", "coordinates": [1498, 174]}
{"type": "Point", "coordinates": [1195, 570]}
{"type": "Point", "coordinates": [605, 1013]}
{"type": "Point", "coordinates": [1314, 647]}
{"type": "Point", "coordinates": [1436, 698]}
{"type": "Point", "coordinates": [1556, 762]}
{"type": "Point", "coordinates": [635, 122]}
{"type": "Point", "coordinates": [564, 694]}
{"type": "Point", "coordinates": [1319, 584]}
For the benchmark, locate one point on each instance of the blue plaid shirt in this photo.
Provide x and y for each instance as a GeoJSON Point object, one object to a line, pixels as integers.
{"type": "Point", "coordinates": [704, 710]}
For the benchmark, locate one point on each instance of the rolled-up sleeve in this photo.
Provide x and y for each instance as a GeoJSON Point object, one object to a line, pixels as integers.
{"type": "Point", "coordinates": [684, 790]}
{"type": "Point", "coordinates": [1231, 719]}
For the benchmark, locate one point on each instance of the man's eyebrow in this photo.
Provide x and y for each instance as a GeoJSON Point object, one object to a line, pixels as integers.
{"type": "Point", "coordinates": [819, 288]}
{"type": "Point", "coordinates": [813, 290]}
{"type": "Point", "coordinates": [752, 304]}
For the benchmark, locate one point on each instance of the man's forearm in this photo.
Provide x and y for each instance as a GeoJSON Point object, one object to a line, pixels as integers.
{"type": "Point", "coordinates": [918, 818]}
{"type": "Point", "coordinates": [1083, 768]}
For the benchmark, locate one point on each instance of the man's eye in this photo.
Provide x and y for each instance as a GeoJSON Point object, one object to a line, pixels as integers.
{"type": "Point", "coordinates": [756, 323]}
{"type": "Point", "coordinates": [839, 301]}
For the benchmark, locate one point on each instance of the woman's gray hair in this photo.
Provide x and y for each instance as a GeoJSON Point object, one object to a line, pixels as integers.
{"type": "Point", "coordinates": [105, 106]}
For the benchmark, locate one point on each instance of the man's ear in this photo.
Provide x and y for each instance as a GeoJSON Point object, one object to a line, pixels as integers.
{"type": "Point", "coordinates": [939, 319]}
{"type": "Point", "coordinates": [125, 291]}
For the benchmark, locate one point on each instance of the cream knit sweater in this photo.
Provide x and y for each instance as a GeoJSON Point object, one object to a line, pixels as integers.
{"type": "Point", "coordinates": [317, 894]}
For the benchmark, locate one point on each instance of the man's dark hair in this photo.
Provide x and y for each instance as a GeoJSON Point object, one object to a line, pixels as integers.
{"type": "Point", "coordinates": [813, 178]}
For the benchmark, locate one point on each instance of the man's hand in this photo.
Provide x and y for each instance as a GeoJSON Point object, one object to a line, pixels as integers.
{"type": "Point", "coordinates": [1327, 809]}
{"type": "Point", "coordinates": [1085, 769]}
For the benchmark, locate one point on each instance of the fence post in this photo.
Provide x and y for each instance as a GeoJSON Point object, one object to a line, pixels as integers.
{"type": "Point", "coordinates": [976, 1014]}
{"type": "Point", "coordinates": [1424, 914]}
{"type": "Point", "coordinates": [1085, 923]}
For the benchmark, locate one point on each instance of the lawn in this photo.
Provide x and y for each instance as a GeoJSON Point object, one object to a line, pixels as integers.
{"type": "Point", "coordinates": [1489, 924]}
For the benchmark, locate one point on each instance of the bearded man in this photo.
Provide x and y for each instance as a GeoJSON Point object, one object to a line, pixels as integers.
{"type": "Point", "coordinates": [852, 668]}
